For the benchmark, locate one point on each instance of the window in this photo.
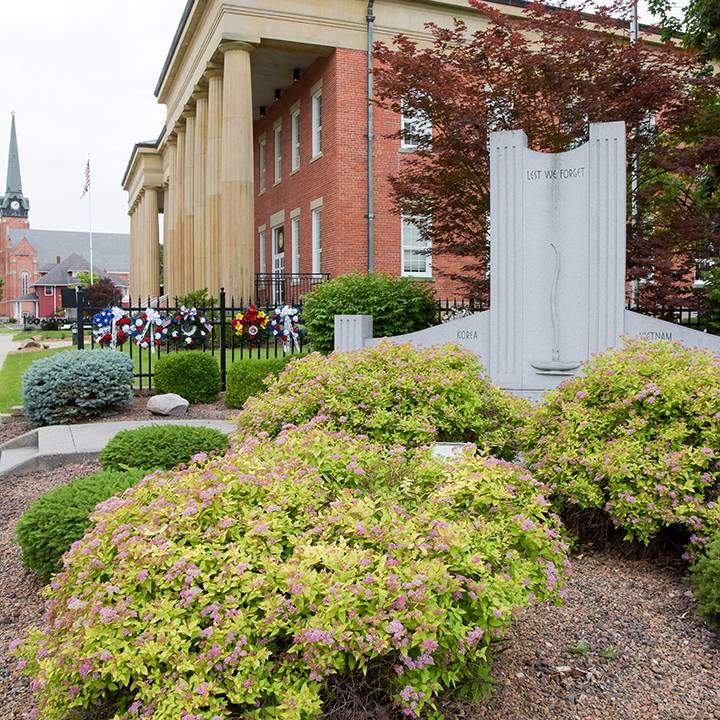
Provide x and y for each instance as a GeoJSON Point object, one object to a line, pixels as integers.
{"type": "Point", "coordinates": [25, 283]}
{"type": "Point", "coordinates": [262, 161]}
{"type": "Point", "coordinates": [415, 128]}
{"type": "Point", "coordinates": [317, 123]}
{"type": "Point", "coordinates": [278, 153]}
{"type": "Point", "coordinates": [261, 253]}
{"type": "Point", "coordinates": [415, 261]}
{"type": "Point", "coordinates": [48, 290]}
{"type": "Point", "coordinates": [295, 137]}
{"type": "Point", "coordinates": [295, 239]}
{"type": "Point", "coordinates": [316, 215]}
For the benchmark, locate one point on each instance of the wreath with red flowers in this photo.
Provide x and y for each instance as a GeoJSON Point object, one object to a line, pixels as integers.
{"type": "Point", "coordinates": [111, 327]}
{"type": "Point", "coordinates": [251, 326]}
{"type": "Point", "coordinates": [150, 328]}
{"type": "Point", "coordinates": [190, 327]}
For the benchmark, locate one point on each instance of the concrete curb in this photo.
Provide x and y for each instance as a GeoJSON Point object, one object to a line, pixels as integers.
{"type": "Point", "coordinates": [57, 445]}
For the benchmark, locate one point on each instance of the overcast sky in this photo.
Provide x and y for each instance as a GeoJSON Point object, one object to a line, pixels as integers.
{"type": "Point", "coordinates": [80, 76]}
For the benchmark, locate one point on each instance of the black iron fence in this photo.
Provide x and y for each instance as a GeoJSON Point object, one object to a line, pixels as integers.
{"type": "Point", "coordinates": [279, 288]}
{"type": "Point", "coordinates": [221, 341]}
{"type": "Point", "coordinates": [694, 318]}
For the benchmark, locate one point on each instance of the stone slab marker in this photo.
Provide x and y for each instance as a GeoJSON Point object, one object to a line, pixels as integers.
{"type": "Point", "coordinates": [557, 255]}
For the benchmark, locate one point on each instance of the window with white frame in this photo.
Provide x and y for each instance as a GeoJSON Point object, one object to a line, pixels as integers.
{"type": "Point", "coordinates": [295, 137]}
{"type": "Point", "coordinates": [317, 122]}
{"type": "Point", "coordinates": [295, 240]}
{"type": "Point", "coordinates": [415, 128]}
{"type": "Point", "coordinates": [262, 162]}
{"type": "Point", "coordinates": [261, 251]}
{"type": "Point", "coordinates": [49, 290]}
{"type": "Point", "coordinates": [316, 215]}
{"type": "Point", "coordinates": [415, 260]}
{"type": "Point", "coordinates": [278, 153]}
{"type": "Point", "coordinates": [25, 283]}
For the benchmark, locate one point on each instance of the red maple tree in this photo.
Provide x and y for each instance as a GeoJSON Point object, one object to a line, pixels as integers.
{"type": "Point", "coordinates": [551, 72]}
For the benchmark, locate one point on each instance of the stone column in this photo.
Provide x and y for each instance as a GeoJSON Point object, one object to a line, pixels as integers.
{"type": "Point", "coordinates": [139, 248]}
{"type": "Point", "coordinates": [178, 280]}
{"type": "Point", "coordinates": [151, 254]}
{"type": "Point", "coordinates": [200, 249]}
{"type": "Point", "coordinates": [132, 267]}
{"type": "Point", "coordinates": [236, 173]}
{"type": "Point", "coordinates": [212, 179]}
{"type": "Point", "coordinates": [169, 244]}
{"type": "Point", "coordinates": [187, 257]}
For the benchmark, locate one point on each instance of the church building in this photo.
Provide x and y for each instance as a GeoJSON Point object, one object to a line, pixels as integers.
{"type": "Point", "coordinates": [27, 256]}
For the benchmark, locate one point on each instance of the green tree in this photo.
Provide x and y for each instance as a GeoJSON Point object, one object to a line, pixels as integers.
{"type": "Point", "coordinates": [699, 25]}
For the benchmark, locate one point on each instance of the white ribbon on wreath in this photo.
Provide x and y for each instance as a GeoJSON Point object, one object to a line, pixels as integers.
{"type": "Point", "coordinates": [152, 318]}
{"type": "Point", "coordinates": [288, 316]}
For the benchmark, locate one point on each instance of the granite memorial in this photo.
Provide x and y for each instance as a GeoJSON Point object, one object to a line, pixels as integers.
{"type": "Point", "coordinates": [557, 266]}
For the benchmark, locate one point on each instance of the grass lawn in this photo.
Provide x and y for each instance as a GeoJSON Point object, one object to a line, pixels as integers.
{"type": "Point", "coordinates": [16, 363]}
{"type": "Point", "coordinates": [43, 335]}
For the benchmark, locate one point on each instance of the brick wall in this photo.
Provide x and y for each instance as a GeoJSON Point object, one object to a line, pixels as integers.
{"type": "Point", "coordinates": [13, 262]}
{"type": "Point", "coordinates": [339, 176]}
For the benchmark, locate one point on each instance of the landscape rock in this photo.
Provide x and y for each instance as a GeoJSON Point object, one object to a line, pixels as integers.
{"type": "Point", "coordinates": [30, 344]}
{"type": "Point", "coordinates": [168, 404]}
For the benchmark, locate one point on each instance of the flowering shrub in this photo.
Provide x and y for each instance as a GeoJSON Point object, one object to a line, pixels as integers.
{"type": "Point", "coordinates": [392, 393]}
{"type": "Point", "coordinates": [705, 574]}
{"type": "Point", "coordinates": [638, 435]}
{"type": "Point", "coordinates": [238, 587]}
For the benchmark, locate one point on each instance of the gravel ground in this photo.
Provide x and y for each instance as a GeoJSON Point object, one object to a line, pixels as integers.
{"type": "Point", "coordinates": [12, 428]}
{"type": "Point", "coordinates": [212, 411]}
{"type": "Point", "coordinates": [20, 602]}
{"type": "Point", "coordinates": [627, 644]}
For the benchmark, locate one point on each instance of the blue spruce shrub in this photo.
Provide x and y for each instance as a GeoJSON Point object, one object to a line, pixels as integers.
{"type": "Point", "coordinates": [77, 384]}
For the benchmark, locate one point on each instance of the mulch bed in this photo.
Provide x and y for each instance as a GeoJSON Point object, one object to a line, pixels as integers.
{"type": "Point", "coordinates": [627, 644]}
{"type": "Point", "coordinates": [213, 411]}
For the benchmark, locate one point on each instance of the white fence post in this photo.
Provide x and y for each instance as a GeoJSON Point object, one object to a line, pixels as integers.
{"type": "Point", "coordinates": [351, 331]}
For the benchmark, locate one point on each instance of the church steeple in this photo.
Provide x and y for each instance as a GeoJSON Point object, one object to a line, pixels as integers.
{"type": "Point", "coordinates": [14, 203]}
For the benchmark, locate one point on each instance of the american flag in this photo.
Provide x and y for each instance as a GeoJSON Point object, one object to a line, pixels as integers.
{"type": "Point", "coordinates": [86, 189]}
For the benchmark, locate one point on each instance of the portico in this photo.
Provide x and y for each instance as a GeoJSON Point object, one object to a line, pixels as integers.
{"type": "Point", "coordinates": [230, 62]}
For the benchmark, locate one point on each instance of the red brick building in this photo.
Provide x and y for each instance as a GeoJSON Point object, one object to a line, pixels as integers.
{"type": "Point", "coordinates": [262, 167]}
{"type": "Point", "coordinates": [28, 255]}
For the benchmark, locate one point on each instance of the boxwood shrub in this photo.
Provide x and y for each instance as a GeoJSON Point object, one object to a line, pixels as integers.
{"type": "Point", "coordinates": [193, 375]}
{"type": "Point", "coordinates": [160, 446]}
{"type": "Point", "coordinates": [398, 306]}
{"type": "Point", "coordinates": [75, 385]}
{"type": "Point", "coordinates": [247, 377]}
{"type": "Point", "coordinates": [637, 436]}
{"type": "Point", "coordinates": [705, 574]}
{"type": "Point", "coordinates": [392, 394]}
{"type": "Point", "coordinates": [60, 517]}
{"type": "Point", "coordinates": [242, 586]}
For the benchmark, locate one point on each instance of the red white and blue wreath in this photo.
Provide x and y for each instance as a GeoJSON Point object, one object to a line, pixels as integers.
{"type": "Point", "coordinates": [287, 325]}
{"type": "Point", "coordinates": [190, 327]}
{"type": "Point", "coordinates": [150, 328]}
{"type": "Point", "coordinates": [111, 327]}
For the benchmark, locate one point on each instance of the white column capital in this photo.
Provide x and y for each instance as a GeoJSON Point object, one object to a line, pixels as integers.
{"type": "Point", "coordinates": [231, 45]}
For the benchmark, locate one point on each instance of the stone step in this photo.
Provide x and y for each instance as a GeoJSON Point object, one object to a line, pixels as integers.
{"type": "Point", "coordinates": [17, 459]}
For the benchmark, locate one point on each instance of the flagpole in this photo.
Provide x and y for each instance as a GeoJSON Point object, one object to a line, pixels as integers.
{"type": "Point", "coordinates": [90, 225]}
